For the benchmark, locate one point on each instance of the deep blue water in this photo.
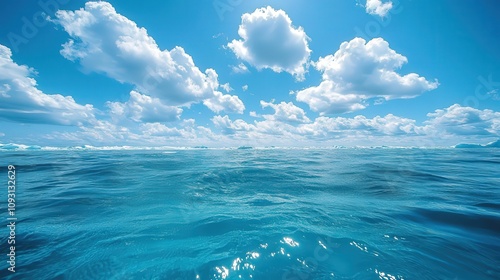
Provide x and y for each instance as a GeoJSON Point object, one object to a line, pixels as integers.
{"type": "Point", "coordinates": [255, 214]}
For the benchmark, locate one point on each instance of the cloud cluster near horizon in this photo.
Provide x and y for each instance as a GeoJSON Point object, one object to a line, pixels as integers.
{"type": "Point", "coordinates": [167, 83]}
{"type": "Point", "coordinates": [455, 120]}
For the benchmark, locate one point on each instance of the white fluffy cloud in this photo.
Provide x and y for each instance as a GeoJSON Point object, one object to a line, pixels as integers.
{"type": "Point", "coordinates": [285, 112]}
{"type": "Point", "coordinates": [377, 7]}
{"type": "Point", "coordinates": [283, 122]}
{"type": "Point", "coordinates": [231, 127]}
{"type": "Point", "coordinates": [104, 41]}
{"type": "Point", "coordinates": [458, 120]}
{"type": "Point", "coordinates": [225, 102]}
{"type": "Point", "coordinates": [100, 132]}
{"type": "Point", "coordinates": [443, 127]}
{"type": "Point", "coordinates": [183, 134]}
{"type": "Point", "coordinates": [22, 101]}
{"type": "Point", "coordinates": [289, 121]}
{"type": "Point", "coordinates": [360, 126]}
{"type": "Point", "coordinates": [269, 40]}
{"type": "Point", "coordinates": [326, 99]}
{"type": "Point", "coordinates": [359, 71]}
{"type": "Point", "coordinates": [158, 129]}
{"type": "Point", "coordinates": [143, 108]}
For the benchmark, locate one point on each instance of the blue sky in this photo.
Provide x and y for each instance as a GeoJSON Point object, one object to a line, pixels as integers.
{"type": "Point", "coordinates": [258, 73]}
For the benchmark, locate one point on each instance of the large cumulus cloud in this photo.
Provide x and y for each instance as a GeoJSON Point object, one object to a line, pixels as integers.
{"type": "Point", "coordinates": [269, 40]}
{"type": "Point", "coordinates": [106, 42]}
{"type": "Point", "coordinates": [359, 71]}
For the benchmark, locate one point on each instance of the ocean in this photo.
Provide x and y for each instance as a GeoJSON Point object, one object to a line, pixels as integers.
{"type": "Point", "coordinates": [300, 214]}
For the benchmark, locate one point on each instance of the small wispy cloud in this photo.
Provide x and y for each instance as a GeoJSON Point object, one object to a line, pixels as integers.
{"type": "Point", "coordinates": [377, 7]}
{"type": "Point", "coordinates": [240, 68]}
{"type": "Point", "coordinates": [226, 87]}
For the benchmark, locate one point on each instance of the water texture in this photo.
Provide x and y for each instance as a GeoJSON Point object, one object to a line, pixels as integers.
{"type": "Point", "coordinates": [255, 214]}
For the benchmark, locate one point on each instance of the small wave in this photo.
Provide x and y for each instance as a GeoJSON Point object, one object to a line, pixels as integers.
{"type": "Point", "coordinates": [464, 220]}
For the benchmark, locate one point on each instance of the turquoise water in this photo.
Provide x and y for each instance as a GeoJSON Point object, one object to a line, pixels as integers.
{"type": "Point", "coordinates": [255, 214]}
